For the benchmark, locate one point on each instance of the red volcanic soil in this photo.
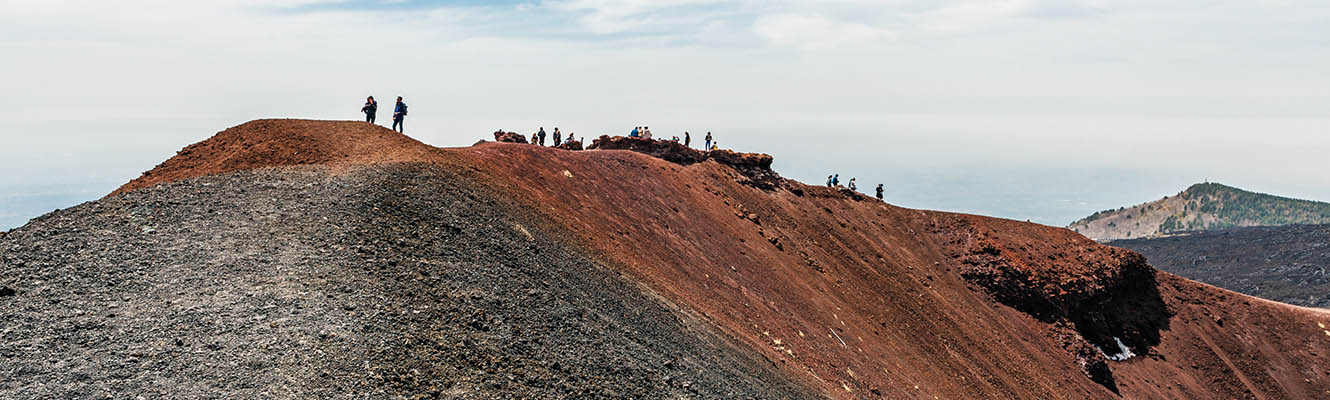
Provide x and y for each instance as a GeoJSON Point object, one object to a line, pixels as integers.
{"type": "Point", "coordinates": [283, 142]}
{"type": "Point", "coordinates": [858, 298]}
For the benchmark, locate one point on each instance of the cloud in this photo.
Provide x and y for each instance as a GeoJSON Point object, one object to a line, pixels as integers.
{"type": "Point", "coordinates": [1038, 81]}
{"type": "Point", "coordinates": [813, 32]}
{"type": "Point", "coordinates": [963, 16]}
{"type": "Point", "coordinates": [639, 16]}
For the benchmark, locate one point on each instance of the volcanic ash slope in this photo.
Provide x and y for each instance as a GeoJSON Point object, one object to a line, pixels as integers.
{"type": "Point", "coordinates": [385, 281]}
{"type": "Point", "coordinates": [292, 258]}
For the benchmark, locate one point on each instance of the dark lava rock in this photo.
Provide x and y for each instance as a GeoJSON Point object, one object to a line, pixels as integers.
{"type": "Point", "coordinates": [7, 292]}
{"type": "Point", "coordinates": [1281, 263]}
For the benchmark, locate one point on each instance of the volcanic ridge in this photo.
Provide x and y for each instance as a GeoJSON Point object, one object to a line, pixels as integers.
{"type": "Point", "coordinates": [1202, 207]}
{"type": "Point", "coordinates": [295, 258]}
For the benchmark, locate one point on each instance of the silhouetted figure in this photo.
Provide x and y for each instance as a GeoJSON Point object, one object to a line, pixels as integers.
{"type": "Point", "coordinates": [557, 136]}
{"type": "Point", "coordinates": [708, 141]}
{"type": "Point", "coordinates": [835, 180]}
{"type": "Point", "coordinates": [687, 140]}
{"type": "Point", "coordinates": [879, 191]}
{"type": "Point", "coordinates": [541, 134]}
{"type": "Point", "coordinates": [828, 180]}
{"type": "Point", "coordinates": [852, 185]}
{"type": "Point", "coordinates": [399, 116]}
{"type": "Point", "coordinates": [371, 109]}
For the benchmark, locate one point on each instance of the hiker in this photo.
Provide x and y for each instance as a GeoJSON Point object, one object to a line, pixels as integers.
{"type": "Point", "coordinates": [399, 114]}
{"type": "Point", "coordinates": [557, 136]}
{"type": "Point", "coordinates": [879, 191]}
{"type": "Point", "coordinates": [646, 133]}
{"type": "Point", "coordinates": [835, 180]}
{"type": "Point", "coordinates": [714, 146]}
{"type": "Point", "coordinates": [828, 180]}
{"type": "Point", "coordinates": [535, 137]}
{"type": "Point", "coordinates": [852, 185]}
{"type": "Point", "coordinates": [687, 140]}
{"type": "Point", "coordinates": [708, 141]}
{"type": "Point", "coordinates": [636, 132]}
{"type": "Point", "coordinates": [541, 135]}
{"type": "Point", "coordinates": [674, 139]}
{"type": "Point", "coordinates": [371, 109]}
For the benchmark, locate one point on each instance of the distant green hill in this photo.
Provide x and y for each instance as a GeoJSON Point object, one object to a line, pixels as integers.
{"type": "Point", "coordinates": [1202, 207]}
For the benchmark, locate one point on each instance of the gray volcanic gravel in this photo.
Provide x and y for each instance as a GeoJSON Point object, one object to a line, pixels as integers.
{"type": "Point", "coordinates": [391, 281]}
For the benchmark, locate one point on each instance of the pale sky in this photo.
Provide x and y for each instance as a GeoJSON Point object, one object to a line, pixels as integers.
{"type": "Point", "coordinates": [1025, 109]}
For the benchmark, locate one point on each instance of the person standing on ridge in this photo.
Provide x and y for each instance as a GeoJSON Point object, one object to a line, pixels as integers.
{"type": "Point", "coordinates": [399, 114]}
{"type": "Point", "coordinates": [879, 191]}
{"type": "Point", "coordinates": [557, 136]}
{"type": "Point", "coordinates": [687, 140]}
{"type": "Point", "coordinates": [835, 180]}
{"type": "Point", "coordinates": [708, 148]}
{"type": "Point", "coordinates": [371, 109]}
{"type": "Point", "coordinates": [541, 135]}
{"type": "Point", "coordinates": [828, 180]}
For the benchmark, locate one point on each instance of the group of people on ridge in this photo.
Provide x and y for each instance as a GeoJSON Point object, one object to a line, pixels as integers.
{"type": "Point", "coordinates": [539, 137]}
{"type": "Point", "coordinates": [833, 180]}
{"type": "Point", "coordinates": [371, 110]}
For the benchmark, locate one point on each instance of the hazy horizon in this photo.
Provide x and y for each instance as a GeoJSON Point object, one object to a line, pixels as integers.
{"type": "Point", "coordinates": [1023, 109]}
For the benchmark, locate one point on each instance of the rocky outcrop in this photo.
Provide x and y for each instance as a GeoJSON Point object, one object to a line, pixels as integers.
{"type": "Point", "coordinates": [1102, 301]}
{"type": "Point", "coordinates": [508, 137]}
{"type": "Point", "coordinates": [755, 166]}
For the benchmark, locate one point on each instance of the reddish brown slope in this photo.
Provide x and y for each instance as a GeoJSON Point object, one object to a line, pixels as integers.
{"type": "Point", "coordinates": [861, 298]}
{"type": "Point", "coordinates": [282, 142]}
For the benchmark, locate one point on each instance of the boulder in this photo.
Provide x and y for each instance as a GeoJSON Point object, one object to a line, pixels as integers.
{"type": "Point", "coordinates": [508, 137]}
